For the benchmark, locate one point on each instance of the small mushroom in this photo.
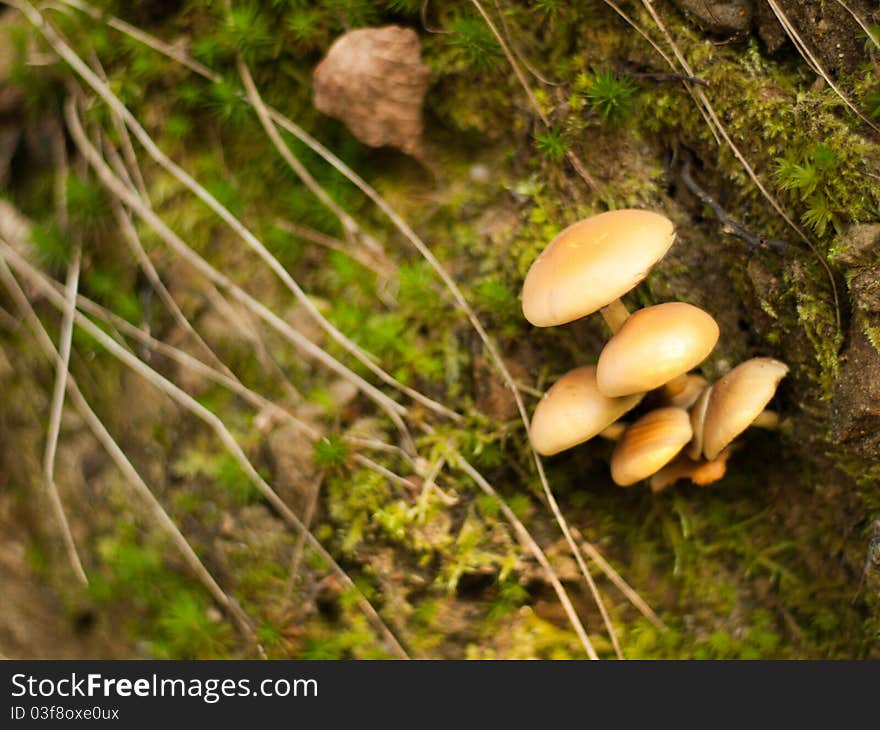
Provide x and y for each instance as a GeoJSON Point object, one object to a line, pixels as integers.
{"type": "Point", "coordinates": [649, 444]}
{"type": "Point", "coordinates": [573, 411]}
{"type": "Point", "coordinates": [700, 472]}
{"type": "Point", "coordinates": [738, 399]}
{"type": "Point", "coordinates": [654, 346]}
{"type": "Point", "coordinates": [591, 264]}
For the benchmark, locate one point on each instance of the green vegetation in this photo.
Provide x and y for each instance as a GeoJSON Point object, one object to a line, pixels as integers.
{"type": "Point", "coordinates": [611, 96]}
{"type": "Point", "coordinates": [763, 564]}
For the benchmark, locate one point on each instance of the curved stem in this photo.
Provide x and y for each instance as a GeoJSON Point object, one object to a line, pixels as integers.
{"type": "Point", "coordinates": [615, 314]}
{"type": "Point", "coordinates": [767, 419]}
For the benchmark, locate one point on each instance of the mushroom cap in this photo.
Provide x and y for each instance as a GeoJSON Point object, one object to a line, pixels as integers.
{"type": "Point", "coordinates": [649, 444]}
{"type": "Point", "coordinates": [655, 345]}
{"type": "Point", "coordinates": [573, 411]}
{"type": "Point", "coordinates": [592, 263]}
{"type": "Point", "coordinates": [737, 400]}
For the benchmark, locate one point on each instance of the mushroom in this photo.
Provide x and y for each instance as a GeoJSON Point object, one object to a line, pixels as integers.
{"type": "Point", "coordinates": [700, 472]}
{"type": "Point", "coordinates": [591, 264]}
{"type": "Point", "coordinates": [738, 399]}
{"type": "Point", "coordinates": [573, 411]}
{"type": "Point", "coordinates": [649, 444]}
{"type": "Point", "coordinates": [654, 346]}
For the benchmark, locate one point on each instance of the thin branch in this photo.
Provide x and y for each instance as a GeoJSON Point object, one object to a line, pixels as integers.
{"type": "Point", "coordinates": [634, 598]}
{"type": "Point", "coordinates": [256, 400]}
{"type": "Point", "coordinates": [284, 151]}
{"type": "Point", "coordinates": [132, 168]}
{"type": "Point", "coordinates": [383, 269]}
{"type": "Point", "coordinates": [669, 62]}
{"type": "Point", "coordinates": [728, 224]}
{"type": "Point", "coordinates": [376, 445]}
{"type": "Point", "coordinates": [56, 409]}
{"type": "Point", "coordinates": [862, 24]}
{"type": "Point", "coordinates": [179, 356]}
{"type": "Point", "coordinates": [132, 30]}
{"type": "Point", "coordinates": [132, 173]}
{"type": "Point", "coordinates": [129, 233]}
{"type": "Point", "coordinates": [525, 62]}
{"type": "Point", "coordinates": [8, 321]}
{"type": "Point", "coordinates": [308, 516]}
{"type": "Point", "coordinates": [383, 470]}
{"type": "Point", "coordinates": [244, 323]}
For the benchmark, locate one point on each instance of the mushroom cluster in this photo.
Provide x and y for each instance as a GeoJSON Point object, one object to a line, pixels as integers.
{"type": "Point", "coordinates": [689, 426]}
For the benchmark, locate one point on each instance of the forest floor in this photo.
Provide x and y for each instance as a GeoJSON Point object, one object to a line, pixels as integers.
{"type": "Point", "coordinates": [773, 561]}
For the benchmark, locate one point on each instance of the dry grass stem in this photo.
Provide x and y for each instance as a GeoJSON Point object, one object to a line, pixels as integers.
{"type": "Point", "coordinates": [535, 549]}
{"type": "Point", "coordinates": [134, 479]}
{"type": "Point", "coordinates": [575, 161]}
{"type": "Point", "coordinates": [394, 410]}
{"type": "Point", "coordinates": [63, 49]}
{"type": "Point", "coordinates": [862, 24]}
{"type": "Point", "coordinates": [349, 225]}
{"type": "Point", "coordinates": [232, 446]}
{"type": "Point", "coordinates": [382, 268]}
{"type": "Point", "coordinates": [625, 588]}
{"type": "Point", "coordinates": [813, 62]}
{"type": "Point", "coordinates": [56, 410]}
{"type": "Point", "coordinates": [716, 122]}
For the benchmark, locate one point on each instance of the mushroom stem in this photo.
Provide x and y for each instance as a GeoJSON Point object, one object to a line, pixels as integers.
{"type": "Point", "coordinates": [675, 386]}
{"type": "Point", "coordinates": [614, 314]}
{"type": "Point", "coordinates": [614, 431]}
{"type": "Point", "coordinates": [767, 419]}
{"type": "Point", "coordinates": [700, 472]}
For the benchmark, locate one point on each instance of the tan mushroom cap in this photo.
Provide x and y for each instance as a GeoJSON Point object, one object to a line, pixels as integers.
{"type": "Point", "coordinates": [592, 263]}
{"type": "Point", "coordinates": [738, 399]}
{"type": "Point", "coordinates": [649, 444]}
{"type": "Point", "coordinates": [655, 345]}
{"type": "Point", "coordinates": [573, 411]}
